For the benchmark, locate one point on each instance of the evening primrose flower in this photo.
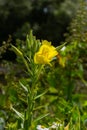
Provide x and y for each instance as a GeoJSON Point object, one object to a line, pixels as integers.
{"type": "Point", "coordinates": [45, 54]}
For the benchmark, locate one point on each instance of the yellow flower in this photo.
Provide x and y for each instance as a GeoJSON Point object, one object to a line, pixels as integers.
{"type": "Point", "coordinates": [45, 53]}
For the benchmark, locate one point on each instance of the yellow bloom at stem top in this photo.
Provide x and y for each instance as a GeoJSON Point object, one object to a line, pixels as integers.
{"type": "Point", "coordinates": [45, 53]}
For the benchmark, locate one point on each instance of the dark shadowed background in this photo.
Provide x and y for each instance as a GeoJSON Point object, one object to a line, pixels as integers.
{"type": "Point", "coordinates": [49, 19]}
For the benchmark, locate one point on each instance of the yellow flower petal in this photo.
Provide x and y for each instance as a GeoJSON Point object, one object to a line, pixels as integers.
{"type": "Point", "coordinates": [45, 42]}
{"type": "Point", "coordinates": [45, 53]}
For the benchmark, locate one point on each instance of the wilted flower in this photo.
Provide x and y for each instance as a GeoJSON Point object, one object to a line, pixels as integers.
{"type": "Point", "coordinates": [56, 125]}
{"type": "Point", "coordinates": [45, 54]}
{"type": "Point", "coordinates": [62, 60]}
{"type": "Point", "coordinates": [40, 127]}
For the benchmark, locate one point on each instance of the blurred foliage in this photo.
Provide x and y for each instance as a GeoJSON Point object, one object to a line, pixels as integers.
{"type": "Point", "coordinates": [78, 26]}
{"type": "Point", "coordinates": [65, 81]}
{"type": "Point", "coordinates": [5, 45]}
{"type": "Point", "coordinates": [45, 17]}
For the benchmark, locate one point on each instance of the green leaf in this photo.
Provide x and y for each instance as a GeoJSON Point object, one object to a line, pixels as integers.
{"type": "Point", "coordinates": [18, 113]}
{"type": "Point", "coordinates": [39, 107]}
{"type": "Point", "coordinates": [25, 88]}
{"type": "Point", "coordinates": [40, 95]}
{"type": "Point", "coordinates": [61, 46]}
{"type": "Point", "coordinates": [17, 51]}
{"type": "Point", "coordinates": [40, 117]}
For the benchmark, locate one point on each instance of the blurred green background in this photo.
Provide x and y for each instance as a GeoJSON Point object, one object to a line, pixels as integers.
{"type": "Point", "coordinates": [58, 21]}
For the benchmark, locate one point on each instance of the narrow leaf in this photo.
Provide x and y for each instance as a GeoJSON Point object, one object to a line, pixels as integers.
{"type": "Point", "coordinates": [40, 117]}
{"type": "Point", "coordinates": [41, 95]}
{"type": "Point", "coordinates": [17, 51]}
{"type": "Point", "coordinates": [61, 46]}
{"type": "Point", "coordinates": [18, 113]}
{"type": "Point", "coordinates": [25, 88]}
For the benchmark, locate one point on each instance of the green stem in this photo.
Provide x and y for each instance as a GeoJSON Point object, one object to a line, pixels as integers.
{"type": "Point", "coordinates": [27, 66]}
{"type": "Point", "coordinates": [31, 97]}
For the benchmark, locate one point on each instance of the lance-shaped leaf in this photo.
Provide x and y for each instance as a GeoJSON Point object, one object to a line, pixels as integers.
{"type": "Point", "coordinates": [40, 117]}
{"type": "Point", "coordinates": [38, 96]}
{"type": "Point", "coordinates": [17, 51]}
{"type": "Point", "coordinates": [24, 87]}
{"type": "Point", "coordinates": [61, 46]}
{"type": "Point", "coordinates": [18, 113]}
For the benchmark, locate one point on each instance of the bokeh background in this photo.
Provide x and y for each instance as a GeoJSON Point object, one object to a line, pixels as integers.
{"type": "Point", "coordinates": [49, 19]}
